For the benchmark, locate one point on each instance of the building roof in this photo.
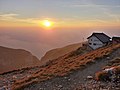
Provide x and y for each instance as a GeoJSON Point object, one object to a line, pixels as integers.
{"type": "Point", "coordinates": [115, 37]}
{"type": "Point", "coordinates": [101, 36]}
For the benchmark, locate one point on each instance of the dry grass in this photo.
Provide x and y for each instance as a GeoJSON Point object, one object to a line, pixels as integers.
{"type": "Point", "coordinates": [62, 66]}
{"type": "Point", "coordinates": [114, 62]}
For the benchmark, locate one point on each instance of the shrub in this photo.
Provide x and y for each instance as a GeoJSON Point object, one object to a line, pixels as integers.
{"type": "Point", "coordinates": [79, 51]}
{"type": "Point", "coordinates": [90, 62]}
{"type": "Point", "coordinates": [117, 69]}
{"type": "Point", "coordinates": [106, 76]}
{"type": "Point", "coordinates": [102, 76]}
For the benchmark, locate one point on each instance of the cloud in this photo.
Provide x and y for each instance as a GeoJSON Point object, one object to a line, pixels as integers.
{"type": "Point", "coordinates": [105, 8]}
{"type": "Point", "coordinates": [90, 5]}
{"type": "Point", "coordinates": [17, 20]}
{"type": "Point", "coordinates": [111, 15]}
{"type": "Point", "coordinates": [9, 16]}
{"type": "Point", "coordinates": [14, 18]}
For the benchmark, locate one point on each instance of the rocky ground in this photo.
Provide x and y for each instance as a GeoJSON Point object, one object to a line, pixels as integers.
{"type": "Point", "coordinates": [87, 85]}
{"type": "Point", "coordinates": [97, 85]}
{"type": "Point", "coordinates": [7, 79]}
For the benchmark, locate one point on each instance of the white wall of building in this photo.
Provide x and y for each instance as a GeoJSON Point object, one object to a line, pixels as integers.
{"type": "Point", "coordinates": [95, 43]}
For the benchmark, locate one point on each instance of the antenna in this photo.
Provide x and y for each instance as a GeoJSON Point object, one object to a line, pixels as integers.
{"type": "Point", "coordinates": [83, 39]}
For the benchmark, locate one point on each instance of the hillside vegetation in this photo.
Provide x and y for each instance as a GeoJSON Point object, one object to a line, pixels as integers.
{"type": "Point", "coordinates": [55, 53]}
{"type": "Point", "coordinates": [64, 65]}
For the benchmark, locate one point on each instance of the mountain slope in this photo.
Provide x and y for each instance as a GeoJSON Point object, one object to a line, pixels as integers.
{"type": "Point", "coordinates": [74, 80]}
{"type": "Point", "coordinates": [12, 59]}
{"type": "Point", "coordinates": [55, 53]}
{"type": "Point", "coordinates": [68, 64]}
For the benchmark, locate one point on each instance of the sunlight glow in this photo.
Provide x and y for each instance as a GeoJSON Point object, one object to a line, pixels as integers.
{"type": "Point", "coordinates": [47, 23]}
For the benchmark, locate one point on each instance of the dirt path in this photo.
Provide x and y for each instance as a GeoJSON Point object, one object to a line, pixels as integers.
{"type": "Point", "coordinates": [73, 80]}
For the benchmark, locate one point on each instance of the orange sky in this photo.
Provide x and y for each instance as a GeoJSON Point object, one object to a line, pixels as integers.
{"type": "Point", "coordinates": [21, 22]}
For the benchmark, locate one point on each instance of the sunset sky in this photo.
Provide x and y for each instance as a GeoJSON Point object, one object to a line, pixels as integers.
{"type": "Point", "coordinates": [22, 22]}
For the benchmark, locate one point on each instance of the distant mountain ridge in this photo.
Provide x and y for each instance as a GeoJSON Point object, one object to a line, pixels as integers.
{"type": "Point", "coordinates": [58, 52]}
{"type": "Point", "coordinates": [12, 59]}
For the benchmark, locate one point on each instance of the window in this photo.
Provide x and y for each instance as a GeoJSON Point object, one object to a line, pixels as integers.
{"type": "Point", "coordinates": [90, 43]}
{"type": "Point", "coordinates": [96, 40]}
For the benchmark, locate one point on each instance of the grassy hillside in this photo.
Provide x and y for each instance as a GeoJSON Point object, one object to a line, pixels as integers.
{"type": "Point", "coordinates": [65, 65]}
{"type": "Point", "coordinates": [55, 53]}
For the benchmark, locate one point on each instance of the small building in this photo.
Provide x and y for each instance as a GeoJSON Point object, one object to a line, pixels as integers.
{"type": "Point", "coordinates": [97, 40]}
{"type": "Point", "coordinates": [115, 40]}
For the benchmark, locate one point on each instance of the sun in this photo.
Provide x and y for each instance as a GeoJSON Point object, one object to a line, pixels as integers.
{"type": "Point", "coordinates": [47, 23]}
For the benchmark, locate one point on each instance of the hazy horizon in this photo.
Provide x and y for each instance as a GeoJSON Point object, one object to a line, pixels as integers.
{"type": "Point", "coordinates": [39, 42]}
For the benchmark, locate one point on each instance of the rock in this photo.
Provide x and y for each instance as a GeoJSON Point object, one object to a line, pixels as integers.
{"type": "Point", "coordinates": [28, 75]}
{"type": "Point", "coordinates": [3, 88]}
{"type": "Point", "coordinates": [89, 77]}
{"type": "Point", "coordinates": [108, 58]}
{"type": "Point", "coordinates": [41, 89]}
{"type": "Point", "coordinates": [117, 88]}
{"type": "Point", "coordinates": [14, 77]}
{"type": "Point", "coordinates": [69, 79]}
{"type": "Point", "coordinates": [65, 77]}
{"type": "Point", "coordinates": [74, 83]}
{"type": "Point", "coordinates": [60, 86]}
